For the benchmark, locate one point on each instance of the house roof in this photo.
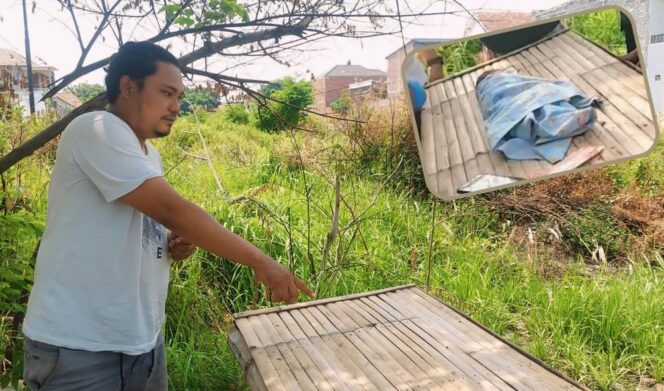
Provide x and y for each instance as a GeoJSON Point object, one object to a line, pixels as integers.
{"type": "Point", "coordinates": [454, 146]}
{"type": "Point", "coordinates": [498, 20]}
{"type": "Point", "coordinates": [10, 57]}
{"type": "Point", "coordinates": [353, 70]}
{"type": "Point", "coordinates": [68, 98]}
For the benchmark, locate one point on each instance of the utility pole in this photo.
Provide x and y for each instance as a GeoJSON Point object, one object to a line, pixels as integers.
{"type": "Point", "coordinates": [28, 58]}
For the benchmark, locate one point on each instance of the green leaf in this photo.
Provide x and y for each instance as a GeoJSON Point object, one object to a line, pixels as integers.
{"type": "Point", "coordinates": [37, 228]}
{"type": "Point", "coordinates": [183, 21]}
{"type": "Point", "coordinates": [214, 15]}
{"type": "Point", "coordinates": [18, 308]}
{"type": "Point", "coordinates": [171, 10]}
{"type": "Point", "coordinates": [243, 14]}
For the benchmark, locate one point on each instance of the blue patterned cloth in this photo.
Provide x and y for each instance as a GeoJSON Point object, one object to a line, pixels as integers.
{"type": "Point", "coordinates": [532, 118]}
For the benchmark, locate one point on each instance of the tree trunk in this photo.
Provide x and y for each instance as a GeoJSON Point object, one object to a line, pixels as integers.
{"type": "Point", "coordinates": [46, 135]}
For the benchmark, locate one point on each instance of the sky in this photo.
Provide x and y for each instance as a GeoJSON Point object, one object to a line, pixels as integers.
{"type": "Point", "coordinates": [54, 43]}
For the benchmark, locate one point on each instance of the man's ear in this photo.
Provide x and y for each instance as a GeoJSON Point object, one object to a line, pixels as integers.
{"type": "Point", "coordinates": [127, 87]}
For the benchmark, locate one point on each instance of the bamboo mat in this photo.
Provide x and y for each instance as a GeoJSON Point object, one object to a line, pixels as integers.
{"type": "Point", "coordinates": [454, 147]}
{"type": "Point", "coordinates": [394, 339]}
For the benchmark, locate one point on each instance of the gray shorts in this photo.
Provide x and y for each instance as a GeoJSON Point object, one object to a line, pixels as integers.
{"type": "Point", "coordinates": [49, 367]}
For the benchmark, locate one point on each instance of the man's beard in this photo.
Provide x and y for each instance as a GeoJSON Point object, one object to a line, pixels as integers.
{"type": "Point", "coordinates": [160, 134]}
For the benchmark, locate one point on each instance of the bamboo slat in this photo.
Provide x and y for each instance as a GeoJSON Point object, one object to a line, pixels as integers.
{"type": "Point", "coordinates": [428, 143]}
{"type": "Point", "coordinates": [607, 129]}
{"type": "Point", "coordinates": [615, 107]}
{"type": "Point", "coordinates": [329, 364]}
{"type": "Point", "coordinates": [625, 127]}
{"type": "Point", "coordinates": [597, 135]}
{"type": "Point", "coordinates": [394, 339]}
{"type": "Point", "coordinates": [634, 104]}
{"type": "Point", "coordinates": [304, 350]}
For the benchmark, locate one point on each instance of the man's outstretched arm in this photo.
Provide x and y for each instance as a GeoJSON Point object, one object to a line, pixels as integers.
{"type": "Point", "coordinates": [156, 198]}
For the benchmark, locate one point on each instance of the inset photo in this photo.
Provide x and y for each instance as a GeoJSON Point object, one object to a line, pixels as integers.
{"type": "Point", "coordinates": [531, 103]}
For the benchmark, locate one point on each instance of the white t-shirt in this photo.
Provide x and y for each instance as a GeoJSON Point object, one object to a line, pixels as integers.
{"type": "Point", "coordinates": [101, 276]}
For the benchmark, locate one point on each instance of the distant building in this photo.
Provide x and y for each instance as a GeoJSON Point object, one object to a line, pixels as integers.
{"type": "Point", "coordinates": [330, 86]}
{"type": "Point", "coordinates": [397, 57]}
{"type": "Point", "coordinates": [367, 87]}
{"type": "Point", "coordinates": [64, 102]}
{"type": "Point", "coordinates": [14, 80]}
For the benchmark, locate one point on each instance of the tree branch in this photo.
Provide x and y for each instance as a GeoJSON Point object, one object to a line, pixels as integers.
{"type": "Point", "coordinates": [79, 37]}
{"type": "Point", "coordinates": [30, 146]}
{"type": "Point", "coordinates": [100, 28]}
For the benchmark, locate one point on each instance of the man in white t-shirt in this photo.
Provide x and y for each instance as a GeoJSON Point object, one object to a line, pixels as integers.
{"type": "Point", "coordinates": [101, 278]}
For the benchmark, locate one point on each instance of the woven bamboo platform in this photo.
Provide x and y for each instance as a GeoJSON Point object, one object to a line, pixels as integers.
{"type": "Point", "coordinates": [454, 147]}
{"type": "Point", "coordinates": [394, 339]}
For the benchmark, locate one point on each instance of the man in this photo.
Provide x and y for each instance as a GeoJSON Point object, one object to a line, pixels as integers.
{"type": "Point", "coordinates": [630, 41]}
{"type": "Point", "coordinates": [425, 66]}
{"type": "Point", "coordinates": [101, 277]}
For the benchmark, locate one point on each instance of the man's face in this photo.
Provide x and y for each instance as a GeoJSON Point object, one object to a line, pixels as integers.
{"type": "Point", "coordinates": [158, 102]}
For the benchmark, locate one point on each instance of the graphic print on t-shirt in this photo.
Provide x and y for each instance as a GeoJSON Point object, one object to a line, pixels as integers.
{"type": "Point", "coordinates": [154, 235]}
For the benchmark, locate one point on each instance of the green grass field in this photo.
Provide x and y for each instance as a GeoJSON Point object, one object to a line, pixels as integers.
{"type": "Point", "coordinates": [574, 282]}
{"type": "Point", "coordinates": [605, 328]}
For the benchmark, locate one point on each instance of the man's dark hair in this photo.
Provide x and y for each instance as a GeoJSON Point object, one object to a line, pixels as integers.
{"type": "Point", "coordinates": [137, 60]}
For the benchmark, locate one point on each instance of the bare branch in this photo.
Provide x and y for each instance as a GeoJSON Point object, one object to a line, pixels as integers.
{"type": "Point", "coordinates": [218, 77]}
{"type": "Point", "coordinates": [277, 28]}
{"type": "Point", "coordinates": [243, 39]}
{"type": "Point", "coordinates": [262, 98]}
{"type": "Point", "coordinates": [335, 223]}
{"type": "Point", "coordinates": [100, 28]}
{"type": "Point", "coordinates": [79, 37]}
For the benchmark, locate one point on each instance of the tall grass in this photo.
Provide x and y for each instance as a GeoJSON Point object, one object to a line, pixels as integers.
{"type": "Point", "coordinates": [602, 27]}
{"type": "Point", "coordinates": [605, 330]}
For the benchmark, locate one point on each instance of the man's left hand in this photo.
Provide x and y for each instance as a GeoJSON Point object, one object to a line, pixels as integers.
{"type": "Point", "coordinates": [178, 247]}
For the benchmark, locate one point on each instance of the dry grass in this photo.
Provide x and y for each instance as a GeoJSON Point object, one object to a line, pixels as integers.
{"type": "Point", "coordinates": [581, 215]}
{"type": "Point", "coordinates": [554, 198]}
{"type": "Point", "coordinates": [645, 215]}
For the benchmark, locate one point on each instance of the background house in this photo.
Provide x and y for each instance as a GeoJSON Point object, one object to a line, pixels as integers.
{"type": "Point", "coordinates": [64, 102]}
{"type": "Point", "coordinates": [330, 86]}
{"type": "Point", "coordinates": [367, 88]}
{"type": "Point", "coordinates": [14, 80]}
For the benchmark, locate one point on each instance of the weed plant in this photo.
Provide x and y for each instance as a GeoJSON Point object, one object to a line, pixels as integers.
{"type": "Point", "coordinates": [602, 27]}
{"type": "Point", "coordinates": [605, 329]}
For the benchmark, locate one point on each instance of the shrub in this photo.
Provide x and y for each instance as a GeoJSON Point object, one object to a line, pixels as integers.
{"type": "Point", "coordinates": [342, 104]}
{"type": "Point", "coordinates": [237, 113]}
{"type": "Point", "coordinates": [286, 110]}
{"type": "Point", "coordinates": [204, 98]}
{"type": "Point", "coordinates": [602, 27]}
{"type": "Point", "coordinates": [86, 91]}
{"type": "Point", "coordinates": [459, 56]}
